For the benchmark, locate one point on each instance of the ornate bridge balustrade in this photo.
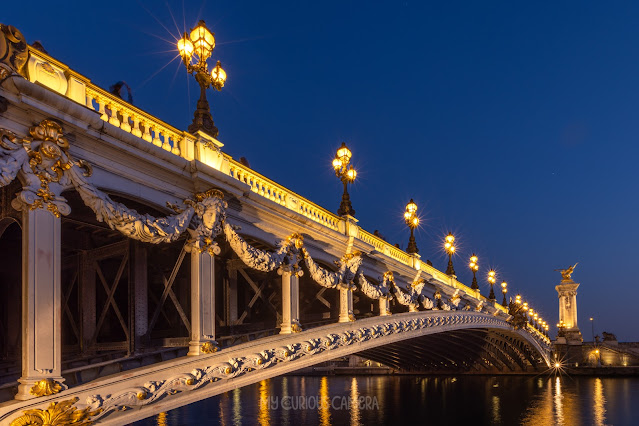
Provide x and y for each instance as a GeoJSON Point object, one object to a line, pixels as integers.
{"type": "Point", "coordinates": [126, 251]}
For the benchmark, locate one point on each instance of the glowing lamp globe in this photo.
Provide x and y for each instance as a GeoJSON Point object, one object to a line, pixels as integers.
{"type": "Point", "coordinates": [203, 40]}
{"type": "Point", "coordinates": [411, 207]}
{"type": "Point", "coordinates": [344, 154]}
{"type": "Point", "coordinates": [218, 76]}
{"type": "Point", "coordinates": [185, 47]}
{"type": "Point", "coordinates": [351, 174]}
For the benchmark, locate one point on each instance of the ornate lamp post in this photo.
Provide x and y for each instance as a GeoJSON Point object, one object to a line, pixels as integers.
{"type": "Point", "coordinates": [504, 290]}
{"type": "Point", "coordinates": [449, 246]}
{"type": "Point", "coordinates": [491, 281]}
{"type": "Point", "coordinates": [347, 175]}
{"type": "Point", "coordinates": [197, 48]}
{"type": "Point", "coordinates": [474, 267]}
{"type": "Point", "coordinates": [411, 219]}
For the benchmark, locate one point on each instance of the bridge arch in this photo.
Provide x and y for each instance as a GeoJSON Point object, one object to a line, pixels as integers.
{"type": "Point", "coordinates": [402, 341]}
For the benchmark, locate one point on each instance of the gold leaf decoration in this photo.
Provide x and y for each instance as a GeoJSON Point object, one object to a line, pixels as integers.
{"type": "Point", "coordinates": [57, 414]}
{"type": "Point", "coordinates": [209, 348]}
{"type": "Point", "coordinates": [45, 387]}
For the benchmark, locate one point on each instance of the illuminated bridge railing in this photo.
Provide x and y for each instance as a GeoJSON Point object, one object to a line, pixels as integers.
{"type": "Point", "coordinates": [58, 77]}
{"type": "Point", "coordinates": [133, 120]}
{"type": "Point", "coordinates": [259, 184]}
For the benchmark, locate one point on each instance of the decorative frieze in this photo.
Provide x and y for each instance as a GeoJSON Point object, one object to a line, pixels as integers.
{"type": "Point", "coordinates": [98, 405]}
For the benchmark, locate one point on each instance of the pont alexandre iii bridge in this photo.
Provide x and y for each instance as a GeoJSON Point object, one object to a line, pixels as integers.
{"type": "Point", "coordinates": [144, 269]}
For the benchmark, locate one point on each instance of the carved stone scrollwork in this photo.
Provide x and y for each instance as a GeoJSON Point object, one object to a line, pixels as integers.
{"type": "Point", "coordinates": [370, 290]}
{"type": "Point", "coordinates": [426, 302]}
{"type": "Point", "coordinates": [412, 297]}
{"type": "Point", "coordinates": [209, 208]}
{"type": "Point", "coordinates": [141, 227]}
{"type": "Point", "coordinates": [42, 159]}
{"type": "Point", "coordinates": [251, 256]}
{"type": "Point", "coordinates": [349, 266]}
{"type": "Point", "coordinates": [455, 299]}
{"type": "Point", "coordinates": [293, 243]}
{"type": "Point", "coordinates": [13, 52]}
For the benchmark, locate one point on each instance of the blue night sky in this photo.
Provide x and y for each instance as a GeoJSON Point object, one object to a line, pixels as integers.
{"type": "Point", "coordinates": [512, 124]}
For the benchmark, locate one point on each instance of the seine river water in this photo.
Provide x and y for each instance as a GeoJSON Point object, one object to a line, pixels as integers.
{"type": "Point", "coordinates": [397, 400]}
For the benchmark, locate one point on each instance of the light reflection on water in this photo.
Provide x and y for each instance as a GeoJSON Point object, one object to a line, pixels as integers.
{"type": "Point", "coordinates": [600, 403]}
{"type": "Point", "coordinates": [338, 400]}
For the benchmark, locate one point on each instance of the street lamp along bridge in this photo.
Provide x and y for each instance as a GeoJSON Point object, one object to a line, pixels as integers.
{"type": "Point", "coordinates": [121, 268]}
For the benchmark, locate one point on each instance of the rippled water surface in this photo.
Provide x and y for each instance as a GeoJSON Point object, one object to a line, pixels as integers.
{"type": "Point", "coordinates": [391, 400]}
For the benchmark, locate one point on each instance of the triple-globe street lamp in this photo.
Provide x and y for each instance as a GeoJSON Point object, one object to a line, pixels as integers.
{"type": "Point", "coordinates": [491, 281]}
{"type": "Point", "coordinates": [411, 219]}
{"type": "Point", "coordinates": [504, 289]}
{"type": "Point", "coordinates": [195, 48]}
{"type": "Point", "coordinates": [474, 266]}
{"type": "Point", "coordinates": [347, 175]}
{"type": "Point", "coordinates": [449, 246]}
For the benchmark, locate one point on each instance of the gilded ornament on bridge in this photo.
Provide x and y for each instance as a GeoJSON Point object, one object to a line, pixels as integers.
{"type": "Point", "coordinates": [566, 274]}
{"type": "Point", "coordinates": [61, 413]}
{"type": "Point", "coordinates": [295, 326]}
{"type": "Point", "coordinates": [13, 52]}
{"type": "Point", "coordinates": [209, 347]}
{"type": "Point", "coordinates": [45, 387]}
{"type": "Point", "coordinates": [42, 158]}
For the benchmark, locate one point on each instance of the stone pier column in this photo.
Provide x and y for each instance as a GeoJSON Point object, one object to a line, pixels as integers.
{"type": "Point", "coordinates": [202, 303]}
{"type": "Point", "coordinates": [345, 305]}
{"type": "Point", "coordinates": [290, 300]}
{"type": "Point", "coordinates": [384, 306]}
{"type": "Point", "coordinates": [41, 305]}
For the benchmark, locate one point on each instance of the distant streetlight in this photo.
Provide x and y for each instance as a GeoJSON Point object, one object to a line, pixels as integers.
{"type": "Point", "coordinates": [411, 219]}
{"type": "Point", "coordinates": [592, 326]}
{"type": "Point", "coordinates": [504, 290]}
{"type": "Point", "coordinates": [491, 281]}
{"type": "Point", "coordinates": [198, 47]}
{"type": "Point", "coordinates": [347, 175]}
{"type": "Point", "coordinates": [449, 246]}
{"type": "Point", "coordinates": [474, 266]}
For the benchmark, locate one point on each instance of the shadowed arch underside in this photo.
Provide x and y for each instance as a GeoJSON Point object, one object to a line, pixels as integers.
{"type": "Point", "coordinates": [480, 350]}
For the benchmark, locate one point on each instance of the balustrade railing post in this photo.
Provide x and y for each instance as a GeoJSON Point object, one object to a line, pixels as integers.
{"type": "Point", "coordinates": [41, 305]}
{"type": "Point", "coordinates": [346, 305]}
{"type": "Point", "coordinates": [202, 303]}
{"type": "Point", "coordinates": [290, 300]}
